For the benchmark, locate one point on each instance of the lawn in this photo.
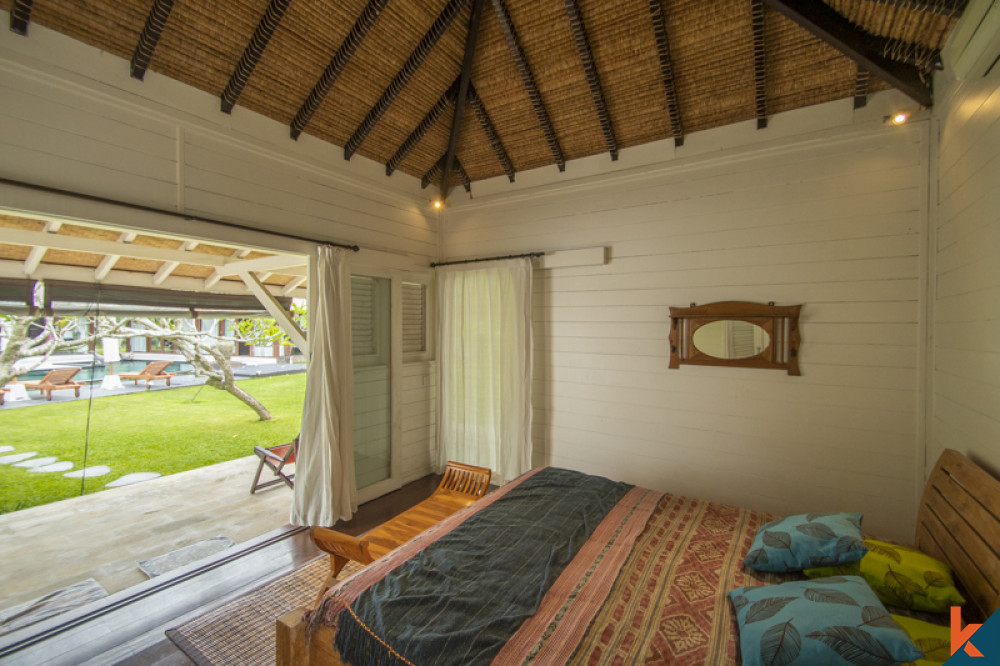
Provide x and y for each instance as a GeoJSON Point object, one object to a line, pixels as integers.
{"type": "Point", "coordinates": [165, 431]}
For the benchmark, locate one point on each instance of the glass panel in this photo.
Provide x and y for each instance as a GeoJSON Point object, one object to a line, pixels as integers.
{"type": "Point", "coordinates": [730, 339]}
{"type": "Point", "coordinates": [370, 309]}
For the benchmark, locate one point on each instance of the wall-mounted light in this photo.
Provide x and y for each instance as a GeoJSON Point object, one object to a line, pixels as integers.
{"type": "Point", "coordinates": [437, 203]}
{"type": "Point", "coordinates": [898, 118]}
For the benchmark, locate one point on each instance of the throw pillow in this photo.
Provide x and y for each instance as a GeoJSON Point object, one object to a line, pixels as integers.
{"type": "Point", "coordinates": [807, 540]}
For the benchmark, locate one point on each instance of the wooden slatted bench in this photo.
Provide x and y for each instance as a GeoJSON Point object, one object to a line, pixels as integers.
{"type": "Point", "coordinates": [461, 486]}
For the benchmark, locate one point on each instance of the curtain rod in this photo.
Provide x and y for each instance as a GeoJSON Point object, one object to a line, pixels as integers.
{"type": "Point", "coordinates": [183, 216]}
{"type": "Point", "coordinates": [473, 261]}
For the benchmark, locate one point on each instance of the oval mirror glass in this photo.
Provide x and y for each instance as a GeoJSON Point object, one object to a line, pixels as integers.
{"type": "Point", "coordinates": [730, 339]}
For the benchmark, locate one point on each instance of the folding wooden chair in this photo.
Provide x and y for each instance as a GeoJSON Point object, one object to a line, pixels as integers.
{"type": "Point", "coordinates": [275, 457]}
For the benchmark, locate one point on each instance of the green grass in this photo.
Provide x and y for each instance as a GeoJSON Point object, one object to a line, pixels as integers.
{"type": "Point", "coordinates": [155, 431]}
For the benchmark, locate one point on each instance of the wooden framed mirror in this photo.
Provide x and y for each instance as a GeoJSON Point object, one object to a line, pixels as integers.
{"type": "Point", "coordinates": [736, 334]}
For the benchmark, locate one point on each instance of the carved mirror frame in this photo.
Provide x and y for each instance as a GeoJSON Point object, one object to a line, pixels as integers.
{"type": "Point", "coordinates": [780, 322]}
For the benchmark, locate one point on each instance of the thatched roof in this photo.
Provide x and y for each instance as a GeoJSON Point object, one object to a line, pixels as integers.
{"type": "Point", "coordinates": [538, 82]}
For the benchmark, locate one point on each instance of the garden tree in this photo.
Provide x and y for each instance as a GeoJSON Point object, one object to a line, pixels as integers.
{"type": "Point", "coordinates": [208, 354]}
{"type": "Point", "coordinates": [265, 330]}
{"type": "Point", "coordinates": [29, 340]}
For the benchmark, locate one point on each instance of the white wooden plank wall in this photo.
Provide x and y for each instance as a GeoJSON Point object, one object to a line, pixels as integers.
{"type": "Point", "coordinates": [837, 227]}
{"type": "Point", "coordinates": [966, 374]}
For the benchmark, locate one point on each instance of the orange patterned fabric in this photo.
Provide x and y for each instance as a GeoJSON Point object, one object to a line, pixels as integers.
{"type": "Point", "coordinates": [668, 604]}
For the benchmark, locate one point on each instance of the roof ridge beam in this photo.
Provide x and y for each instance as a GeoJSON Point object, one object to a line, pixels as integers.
{"type": "Point", "coordinates": [576, 24]}
{"type": "Point", "coordinates": [337, 64]}
{"type": "Point", "coordinates": [149, 37]}
{"type": "Point", "coordinates": [403, 76]}
{"type": "Point", "coordinates": [446, 100]}
{"type": "Point", "coordinates": [436, 171]}
{"type": "Point", "coordinates": [252, 53]}
{"type": "Point", "coordinates": [659, 19]}
{"type": "Point", "coordinates": [463, 91]}
{"type": "Point", "coordinates": [826, 23]}
{"type": "Point", "coordinates": [20, 16]}
{"type": "Point", "coordinates": [528, 79]}
{"type": "Point", "coordinates": [759, 64]}
{"type": "Point", "coordinates": [491, 132]}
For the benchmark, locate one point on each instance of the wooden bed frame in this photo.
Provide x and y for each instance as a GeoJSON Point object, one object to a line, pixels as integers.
{"type": "Point", "coordinates": [958, 522]}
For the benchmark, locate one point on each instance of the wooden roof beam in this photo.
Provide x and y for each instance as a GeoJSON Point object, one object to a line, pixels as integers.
{"type": "Point", "coordinates": [20, 16]}
{"type": "Point", "coordinates": [491, 132]}
{"type": "Point", "coordinates": [862, 81]}
{"type": "Point", "coordinates": [149, 37]}
{"type": "Point", "coordinates": [658, 17]}
{"type": "Point", "coordinates": [823, 21]}
{"type": "Point", "coordinates": [593, 78]}
{"type": "Point", "coordinates": [252, 53]}
{"type": "Point", "coordinates": [406, 72]}
{"type": "Point", "coordinates": [437, 170]}
{"type": "Point", "coordinates": [759, 66]}
{"type": "Point", "coordinates": [528, 79]}
{"type": "Point", "coordinates": [463, 91]}
{"type": "Point", "coordinates": [446, 100]}
{"type": "Point", "coordinates": [337, 65]}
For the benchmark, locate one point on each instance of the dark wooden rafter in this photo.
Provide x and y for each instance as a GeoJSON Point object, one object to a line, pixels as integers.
{"type": "Point", "coordinates": [491, 132]}
{"type": "Point", "coordinates": [921, 57]}
{"type": "Point", "coordinates": [867, 50]}
{"type": "Point", "coordinates": [445, 101]}
{"type": "Point", "coordinates": [252, 53]}
{"type": "Point", "coordinates": [436, 171]}
{"type": "Point", "coordinates": [463, 91]}
{"type": "Point", "coordinates": [20, 16]}
{"type": "Point", "coordinates": [659, 18]}
{"type": "Point", "coordinates": [406, 72]}
{"type": "Point", "coordinates": [759, 64]}
{"type": "Point", "coordinates": [337, 65]}
{"type": "Point", "coordinates": [576, 24]}
{"type": "Point", "coordinates": [150, 35]}
{"type": "Point", "coordinates": [528, 79]}
{"type": "Point", "coordinates": [940, 7]}
{"type": "Point", "coordinates": [862, 81]}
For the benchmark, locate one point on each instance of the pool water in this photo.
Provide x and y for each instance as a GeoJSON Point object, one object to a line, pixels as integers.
{"type": "Point", "coordinates": [96, 373]}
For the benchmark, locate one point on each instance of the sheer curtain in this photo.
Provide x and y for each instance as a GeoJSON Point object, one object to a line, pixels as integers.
{"type": "Point", "coordinates": [325, 489]}
{"type": "Point", "coordinates": [484, 358]}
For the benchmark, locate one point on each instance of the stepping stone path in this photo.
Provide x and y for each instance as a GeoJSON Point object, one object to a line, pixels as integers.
{"type": "Point", "coordinates": [5, 449]}
{"type": "Point", "coordinates": [129, 479]}
{"type": "Point", "coordinates": [16, 457]}
{"type": "Point", "coordinates": [89, 472]}
{"type": "Point", "coordinates": [60, 466]}
{"type": "Point", "coordinates": [36, 462]}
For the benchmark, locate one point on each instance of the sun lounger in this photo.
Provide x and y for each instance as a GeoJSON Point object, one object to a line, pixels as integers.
{"type": "Point", "coordinates": [56, 380]}
{"type": "Point", "coordinates": [151, 372]}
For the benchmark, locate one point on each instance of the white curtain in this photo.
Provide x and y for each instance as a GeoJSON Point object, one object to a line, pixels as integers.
{"type": "Point", "coordinates": [484, 359]}
{"type": "Point", "coordinates": [325, 489]}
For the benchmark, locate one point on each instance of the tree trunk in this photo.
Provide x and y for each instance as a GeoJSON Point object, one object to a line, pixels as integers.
{"type": "Point", "coordinates": [241, 395]}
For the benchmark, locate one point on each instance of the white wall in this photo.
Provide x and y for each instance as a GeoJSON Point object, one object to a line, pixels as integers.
{"type": "Point", "coordinates": [72, 119]}
{"type": "Point", "coordinates": [834, 220]}
{"type": "Point", "coordinates": [966, 352]}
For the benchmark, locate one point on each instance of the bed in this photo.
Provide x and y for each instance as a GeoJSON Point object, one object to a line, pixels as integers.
{"type": "Point", "coordinates": [643, 577]}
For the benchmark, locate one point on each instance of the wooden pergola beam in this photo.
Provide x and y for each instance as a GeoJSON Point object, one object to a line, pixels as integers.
{"type": "Point", "coordinates": [337, 65]}
{"type": "Point", "coordinates": [759, 65]}
{"type": "Point", "coordinates": [403, 76]}
{"type": "Point", "coordinates": [463, 91]}
{"type": "Point", "coordinates": [862, 81]}
{"type": "Point", "coordinates": [528, 79]}
{"type": "Point", "coordinates": [579, 29]}
{"type": "Point", "coordinates": [282, 317]}
{"type": "Point", "coordinates": [446, 100]}
{"type": "Point", "coordinates": [824, 22]}
{"type": "Point", "coordinates": [252, 53]}
{"type": "Point", "coordinates": [659, 19]}
{"type": "Point", "coordinates": [20, 16]}
{"type": "Point", "coordinates": [149, 37]}
{"type": "Point", "coordinates": [491, 132]}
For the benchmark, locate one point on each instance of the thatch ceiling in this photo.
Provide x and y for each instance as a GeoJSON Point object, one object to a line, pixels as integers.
{"type": "Point", "coordinates": [541, 82]}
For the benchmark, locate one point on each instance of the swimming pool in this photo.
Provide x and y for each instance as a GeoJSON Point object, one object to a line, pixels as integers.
{"type": "Point", "coordinates": [96, 372]}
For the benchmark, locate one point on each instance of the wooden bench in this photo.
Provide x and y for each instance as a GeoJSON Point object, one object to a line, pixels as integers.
{"type": "Point", "coordinates": [461, 486]}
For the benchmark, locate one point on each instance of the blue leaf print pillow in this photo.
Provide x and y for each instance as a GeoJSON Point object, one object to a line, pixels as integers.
{"type": "Point", "coordinates": [819, 622]}
{"type": "Point", "coordinates": [807, 540]}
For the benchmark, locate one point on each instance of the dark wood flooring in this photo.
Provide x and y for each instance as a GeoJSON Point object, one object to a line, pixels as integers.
{"type": "Point", "coordinates": [127, 628]}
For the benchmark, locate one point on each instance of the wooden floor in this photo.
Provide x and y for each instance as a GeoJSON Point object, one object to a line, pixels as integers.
{"type": "Point", "coordinates": [128, 627]}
